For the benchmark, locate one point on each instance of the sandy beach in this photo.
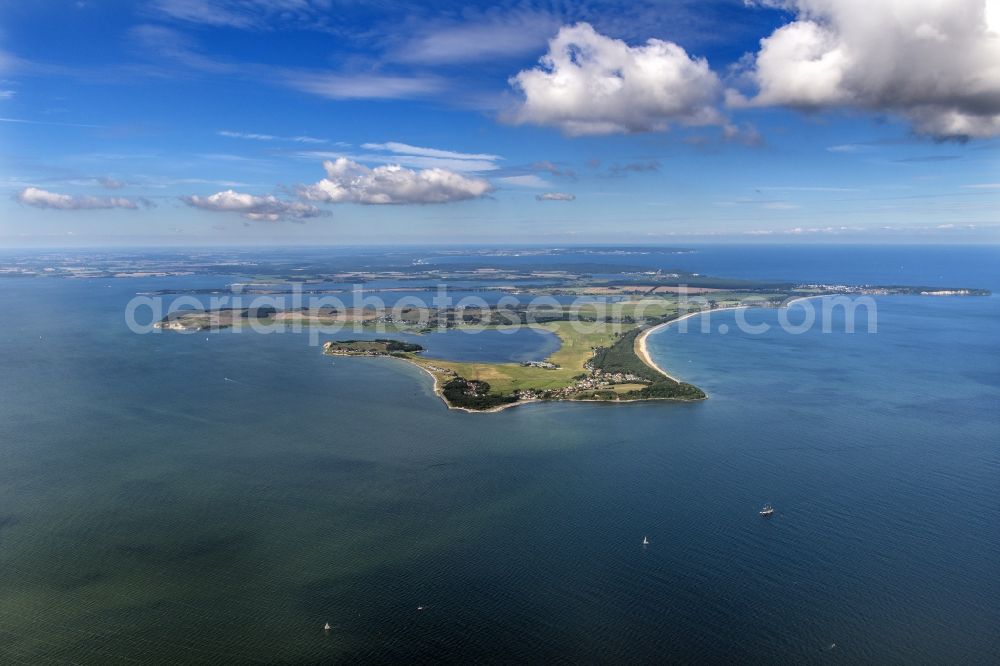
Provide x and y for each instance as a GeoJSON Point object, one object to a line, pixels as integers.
{"type": "Point", "coordinates": [640, 350]}
{"type": "Point", "coordinates": [439, 392]}
{"type": "Point", "coordinates": [640, 341]}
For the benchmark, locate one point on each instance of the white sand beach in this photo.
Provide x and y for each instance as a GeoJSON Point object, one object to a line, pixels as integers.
{"type": "Point", "coordinates": [640, 341]}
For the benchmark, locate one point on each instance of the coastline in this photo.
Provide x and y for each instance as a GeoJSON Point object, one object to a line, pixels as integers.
{"type": "Point", "coordinates": [440, 393]}
{"type": "Point", "coordinates": [642, 351]}
{"type": "Point", "coordinates": [499, 408]}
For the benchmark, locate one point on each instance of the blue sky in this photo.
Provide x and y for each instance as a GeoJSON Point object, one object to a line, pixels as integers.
{"type": "Point", "coordinates": [175, 122]}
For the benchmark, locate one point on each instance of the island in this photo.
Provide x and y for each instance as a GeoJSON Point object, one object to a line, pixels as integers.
{"type": "Point", "coordinates": [601, 312]}
{"type": "Point", "coordinates": [598, 365]}
{"type": "Point", "coordinates": [377, 347]}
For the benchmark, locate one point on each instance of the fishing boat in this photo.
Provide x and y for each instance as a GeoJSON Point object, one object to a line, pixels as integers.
{"type": "Point", "coordinates": [767, 510]}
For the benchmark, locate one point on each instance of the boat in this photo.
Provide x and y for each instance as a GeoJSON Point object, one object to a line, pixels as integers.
{"type": "Point", "coordinates": [327, 627]}
{"type": "Point", "coordinates": [767, 510]}
{"type": "Point", "coordinates": [645, 541]}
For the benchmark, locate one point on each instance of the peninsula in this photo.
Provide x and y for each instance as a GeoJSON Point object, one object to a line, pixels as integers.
{"type": "Point", "coordinates": [602, 315]}
{"type": "Point", "coordinates": [591, 365]}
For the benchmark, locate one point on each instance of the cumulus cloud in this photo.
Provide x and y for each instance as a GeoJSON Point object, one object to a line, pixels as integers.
{"type": "Point", "coordinates": [555, 196]}
{"type": "Point", "coordinates": [33, 196]}
{"type": "Point", "coordinates": [935, 62]}
{"type": "Point", "coordinates": [349, 182]}
{"type": "Point", "coordinates": [588, 83]}
{"type": "Point", "coordinates": [253, 207]}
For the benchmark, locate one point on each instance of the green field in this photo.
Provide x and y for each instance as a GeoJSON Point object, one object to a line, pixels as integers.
{"type": "Point", "coordinates": [575, 349]}
{"type": "Point", "coordinates": [601, 333]}
{"type": "Point", "coordinates": [578, 341]}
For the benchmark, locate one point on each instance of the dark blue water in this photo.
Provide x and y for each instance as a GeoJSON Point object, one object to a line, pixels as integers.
{"type": "Point", "coordinates": [216, 499]}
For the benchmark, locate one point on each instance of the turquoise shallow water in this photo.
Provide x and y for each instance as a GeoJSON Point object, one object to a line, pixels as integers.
{"type": "Point", "coordinates": [172, 499]}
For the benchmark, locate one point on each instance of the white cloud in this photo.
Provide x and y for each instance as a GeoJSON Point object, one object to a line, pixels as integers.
{"type": "Point", "coordinates": [110, 183]}
{"type": "Point", "coordinates": [33, 196]}
{"type": "Point", "coordinates": [497, 36]}
{"type": "Point", "coordinates": [252, 15]}
{"type": "Point", "coordinates": [268, 137]}
{"type": "Point", "coordinates": [645, 166]}
{"type": "Point", "coordinates": [935, 62]}
{"type": "Point", "coordinates": [983, 186]}
{"type": "Point", "coordinates": [349, 182]}
{"type": "Point", "coordinates": [554, 169]}
{"type": "Point", "coordinates": [246, 135]}
{"type": "Point", "coordinates": [178, 48]}
{"type": "Point", "coordinates": [527, 180]}
{"type": "Point", "coordinates": [407, 149]}
{"type": "Point", "coordinates": [160, 183]}
{"type": "Point", "coordinates": [253, 207]}
{"type": "Point", "coordinates": [555, 196]}
{"type": "Point", "coordinates": [7, 94]}
{"type": "Point", "coordinates": [846, 148]}
{"type": "Point", "coordinates": [172, 45]}
{"type": "Point", "coordinates": [9, 61]}
{"type": "Point", "coordinates": [416, 156]}
{"type": "Point", "coordinates": [806, 188]}
{"type": "Point", "coordinates": [591, 84]}
{"type": "Point", "coordinates": [418, 161]}
{"type": "Point", "coordinates": [26, 121]}
{"type": "Point", "coordinates": [204, 12]}
{"type": "Point", "coordinates": [365, 86]}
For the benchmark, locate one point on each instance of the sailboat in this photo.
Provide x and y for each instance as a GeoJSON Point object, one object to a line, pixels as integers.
{"type": "Point", "coordinates": [645, 541]}
{"type": "Point", "coordinates": [327, 627]}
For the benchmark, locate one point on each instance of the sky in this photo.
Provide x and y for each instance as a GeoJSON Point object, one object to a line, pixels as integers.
{"type": "Point", "coordinates": [297, 122]}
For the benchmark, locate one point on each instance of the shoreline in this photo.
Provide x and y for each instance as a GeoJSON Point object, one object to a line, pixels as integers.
{"type": "Point", "coordinates": [440, 394]}
{"type": "Point", "coordinates": [499, 408]}
{"type": "Point", "coordinates": [642, 351]}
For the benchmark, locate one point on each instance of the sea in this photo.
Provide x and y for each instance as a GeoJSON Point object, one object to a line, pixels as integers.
{"type": "Point", "coordinates": [218, 498]}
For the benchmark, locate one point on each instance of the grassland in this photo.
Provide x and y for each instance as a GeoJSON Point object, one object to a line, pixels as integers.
{"type": "Point", "coordinates": [579, 338]}
{"type": "Point", "coordinates": [595, 361]}
{"type": "Point", "coordinates": [575, 350]}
